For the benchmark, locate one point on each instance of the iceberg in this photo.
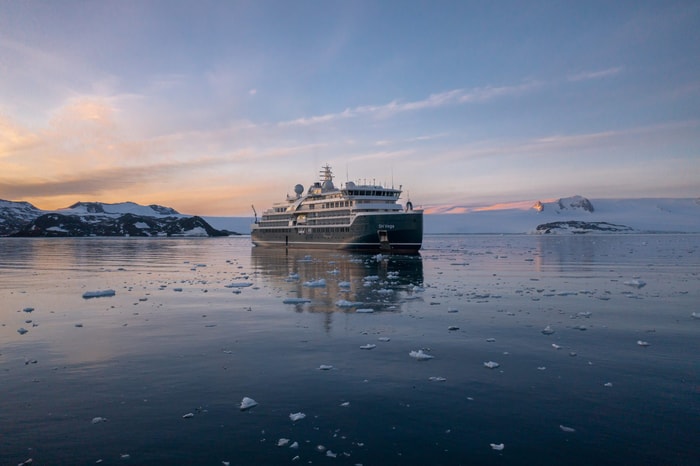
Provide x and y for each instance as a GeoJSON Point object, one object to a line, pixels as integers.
{"type": "Point", "coordinates": [491, 364]}
{"type": "Point", "coordinates": [497, 446]}
{"type": "Point", "coordinates": [420, 355]}
{"type": "Point", "coordinates": [296, 416]}
{"type": "Point", "coordinates": [247, 403]}
{"type": "Point", "coordinates": [98, 294]}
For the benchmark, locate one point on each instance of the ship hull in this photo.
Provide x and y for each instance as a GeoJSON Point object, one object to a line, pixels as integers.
{"type": "Point", "coordinates": [398, 232]}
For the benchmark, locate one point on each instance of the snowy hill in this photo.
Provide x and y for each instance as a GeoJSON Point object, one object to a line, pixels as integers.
{"type": "Point", "coordinates": [100, 219]}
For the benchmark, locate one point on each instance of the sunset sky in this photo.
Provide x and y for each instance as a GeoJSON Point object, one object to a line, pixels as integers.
{"type": "Point", "coordinates": [211, 106]}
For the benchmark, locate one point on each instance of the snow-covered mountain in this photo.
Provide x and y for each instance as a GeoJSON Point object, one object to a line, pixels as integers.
{"type": "Point", "coordinates": [100, 219]}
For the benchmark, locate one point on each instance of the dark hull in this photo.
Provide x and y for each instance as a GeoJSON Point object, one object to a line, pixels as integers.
{"type": "Point", "coordinates": [398, 232]}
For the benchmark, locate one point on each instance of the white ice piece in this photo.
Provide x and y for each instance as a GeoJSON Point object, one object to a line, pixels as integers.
{"type": "Point", "coordinates": [636, 283]}
{"type": "Point", "coordinates": [567, 429]}
{"type": "Point", "coordinates": [497, 446]}
{"type": "Point", "coordinates": [384, 339]}
{"type": "Point", "coordinates": [420, 355]}
{"type": "Point", "coordinates": [548, 330]}
{"type": "Point", "coordinates": [282, 442]}
{"type": "Point", "coordinates": [247, 403]}
{"type": "Point", "coordinates": [344, 284]}
{"type": "Point", "coordinates": [320, 283]}
{"type": "Point", "coordinates": [295, 301]}
{"type": "Point", "coordinates": [188, 416]}
{"type": "Point", "coordinates": [364, 310]}
{"type": "Point", "coordinates": [98, 294]}
{"type": "Point", "coordinates": [642, 343]}
{"type": "Point", "coordinates": [346, 303]}
{"type": "Point", "coordinates": [98, 419]}
{"type": "Point", "coordinates": [437, 379]}
{"type": "Point", "coordinates": [325, 367]}
{"type": "Point", "coordinates": [695, 315]}
{"type": "Point", "coordinates": [491, 364]}
{"type": "Point", "coordinates": [296, 416]}
{"type": "Point", "coordinates": [368, 346]}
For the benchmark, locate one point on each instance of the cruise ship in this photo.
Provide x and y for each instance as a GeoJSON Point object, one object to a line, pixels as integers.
{"type": "Point", "coordinates": [355, 216]}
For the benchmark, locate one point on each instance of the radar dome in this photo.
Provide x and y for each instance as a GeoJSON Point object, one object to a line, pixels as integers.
{"type": "Point", "coordinates": [298, 189]}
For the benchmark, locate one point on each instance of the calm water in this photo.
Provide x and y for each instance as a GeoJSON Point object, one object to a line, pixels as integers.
{"type": "Point", "coordinates": [195, 325]}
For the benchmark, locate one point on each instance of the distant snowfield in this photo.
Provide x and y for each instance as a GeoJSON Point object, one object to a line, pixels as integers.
{"type": "Point", "coordinates": [655, 215]}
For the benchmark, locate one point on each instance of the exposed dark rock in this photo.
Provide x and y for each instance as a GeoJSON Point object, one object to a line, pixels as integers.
{"type": "Point", "coordinates": [579, 227]}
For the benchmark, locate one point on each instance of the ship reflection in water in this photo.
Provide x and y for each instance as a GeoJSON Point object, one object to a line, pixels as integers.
{"type": "Point", "coordinates": [341, 281]}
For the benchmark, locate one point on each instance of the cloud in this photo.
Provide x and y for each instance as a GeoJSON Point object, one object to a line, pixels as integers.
{"type": "Point", "coordinates": [438, 100]}
{"type": "Point", "coordinates": [588, 75]}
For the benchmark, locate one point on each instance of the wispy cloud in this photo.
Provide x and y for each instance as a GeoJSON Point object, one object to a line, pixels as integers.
{"type": "Point", "coordinates": [438, 100]}
{"type": "Point", "coordinates": [598, 74]}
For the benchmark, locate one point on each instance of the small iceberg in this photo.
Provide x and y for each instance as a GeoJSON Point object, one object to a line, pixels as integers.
{"type": "Point", "coordinates": [325, 367]}
{"type": "Point", "coordinates": [491, 364]}
{"type": "Point", "coordinates": [320, 283]}
{"type": "Point", "coordinates": [420, 355]}
{"type": "Point", "coordinates": [296, 416]}
{"type": "Point", "coordinates": [238, 285]}
{"type": "Point", "coordinates": [99, 294]}
{"type": "Point", "coordinates": [22, 330]}
{"type": "Point", "coordinates": [636, 283]}
{"type": "Point", "coordinates": [497, 446]}
{"type": "Point", "coordinates": [567, 429]}
{"type": "Point", "coordinates": [188, 416]}
{"type": "Point", "coordinates": [368, 346]}
{"type": "Point", "coordinates": [642, 343]}
{"type": "Point", "coordinates": [346, 303]}
{"type": "Point", "coordinates": [365, 310]}
{"type": "Point", "coordinates": [282, 442]}
{"type": "Point", "coordinates": [296, 301]}
{"type": "Point", "coordinates": [98, 420]}
{"type": "Point", "coordinates": [437, 379]}
{"type": "Point", "coordinates": [548, 330]}
{"type": "Point", "coordinates": [247, 403]}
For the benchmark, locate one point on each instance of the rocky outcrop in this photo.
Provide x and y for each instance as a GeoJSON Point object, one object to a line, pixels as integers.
{"type": "Point", "coordinates": [579, 227]}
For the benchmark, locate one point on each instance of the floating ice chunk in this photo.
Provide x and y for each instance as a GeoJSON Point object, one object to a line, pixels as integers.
{"type": "Point", "coordinates": [491, 364]}
{"type": "Point", "coordinates": [296, 416]}
{"type": "Point", "coordinates": [28, 309]}
{"type": "Point", "coordinates": [642, 343]}
{"type": "Point", "coordinates": [238, 285]}
{"type": "Point", "coordinates": [417, 289]}
{"type": "Point", "coordinates": [292, 277]}
{"type": "Point", "coordinates": [325, 367]}
{"type": "Point", "coordinates": [99, 294]}
{"type": "Point", "coordinates": [490, 340]}
{"type": "Point", "coordinates": [344, 284]}
{"type": "Point", "coordinates": [22, 330]}
{"type": "Point", "coordinates": [607, 384]}
{"type": "Point", "coordinates": [334, 272]}
{"type": "Point", "coordinates": [98, 420]}
{"type": "Point", "coordinates": [371, 278]}
{"type": "Point", "coordinates": [420, 355]}
{"type": "Point", "coordinates": [452, 327]}
{"type": "Point", "coordinates": [567, 429]}
{"type": "Point", "coordinates": [548, 330]}
{"type": "Point", "coordinates": [368, 346]}
{"type": "Point", "coordinates": [247, 403]}
{"type": "Point", "coordinates": [320, 283]}
{"type": "Point", "coordinates": [294, 446]}
{"type": "Point", "coordinates": [555, 346]}
{"type": "Point", "coordinates": [282, 442]}
{"type": "Point", "coordinates": [177, 289]}
{"type": "Point", "coordinates": [79, 325]}
{"type": "Point", "coordinates": [636, 283]}
{"type": "Point", "coordinates": [125, 456]}
{"type": "Point", "coordinates": [497, 446]}
{"type": "Point", "coordinates": [437, 379]}
{"type": "Point", "coordinates": [346, 303]}
{"type": "Point", "coordinates": [542, 368]}
{"type": "Point", "coordinates": [695, 315]}
{"type": "Point", "coordinates": [452, 310]}
{"type": "Point", "coordinates": [345, 404]}
{"type": "Point", "coordinates": [188, 416]}
{"type": "Point", "coordinates": [366, 310]}
{"type": "Point", "coordinates": [384, 339]}
{"type": "Point", "coordinates": [296, 301]}
{"type": "Point", "coordinates": [330, 454]}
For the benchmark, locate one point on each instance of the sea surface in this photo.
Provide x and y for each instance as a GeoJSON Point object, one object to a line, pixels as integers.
{"type": "Point", "coordinates": [593, 344]}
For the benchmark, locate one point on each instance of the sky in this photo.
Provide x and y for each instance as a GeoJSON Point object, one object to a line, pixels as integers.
{"type": "Point", "coordinates": [210, 107]}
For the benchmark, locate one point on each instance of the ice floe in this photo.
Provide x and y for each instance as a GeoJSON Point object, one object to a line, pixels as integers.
{"type": "Point", "coordinates": [695, 315]}
{"type": "Point", "coordinates": [548, 330]}
{"type": "Point", "coordinates": [297, 416]}
{"type": "Point", "coordinates": [247, 403]}
{"type": "Point", "coordinates": [346, 303]}
{"type": "Point", "coordinates": [99, 294]}
{"type": "Point", "coordinates": [642, 343]}
{"type": "Point", "coordinates": [98, 420]}
{"type": "Point", "coordinates": [636, 283]}
{"type": "Point", "coordinates": [491, 364]}
{"type": "Point", "coordinates": [320, 283]}
{"type": "Point", "coordinates": [296, 301]}
{"type": "Point", "coordinates": [365, 310]}
{"type": "Point", "coordinates": [437, 379]}
{"type": "Point", "coordinates": [188, 416]}
{"type": "Point", "coordinates": [368, 346]}
{"type": "Point", "coordinates": [325, 367]}
{"type": "Point", "coordinates": [283, 442]}
{"type": "Point", "coordinates": [497, 446]}
{"type": "Point", "coordinates": [567, 429]}
{"type": "Point", "coordinates": [420, 355]}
